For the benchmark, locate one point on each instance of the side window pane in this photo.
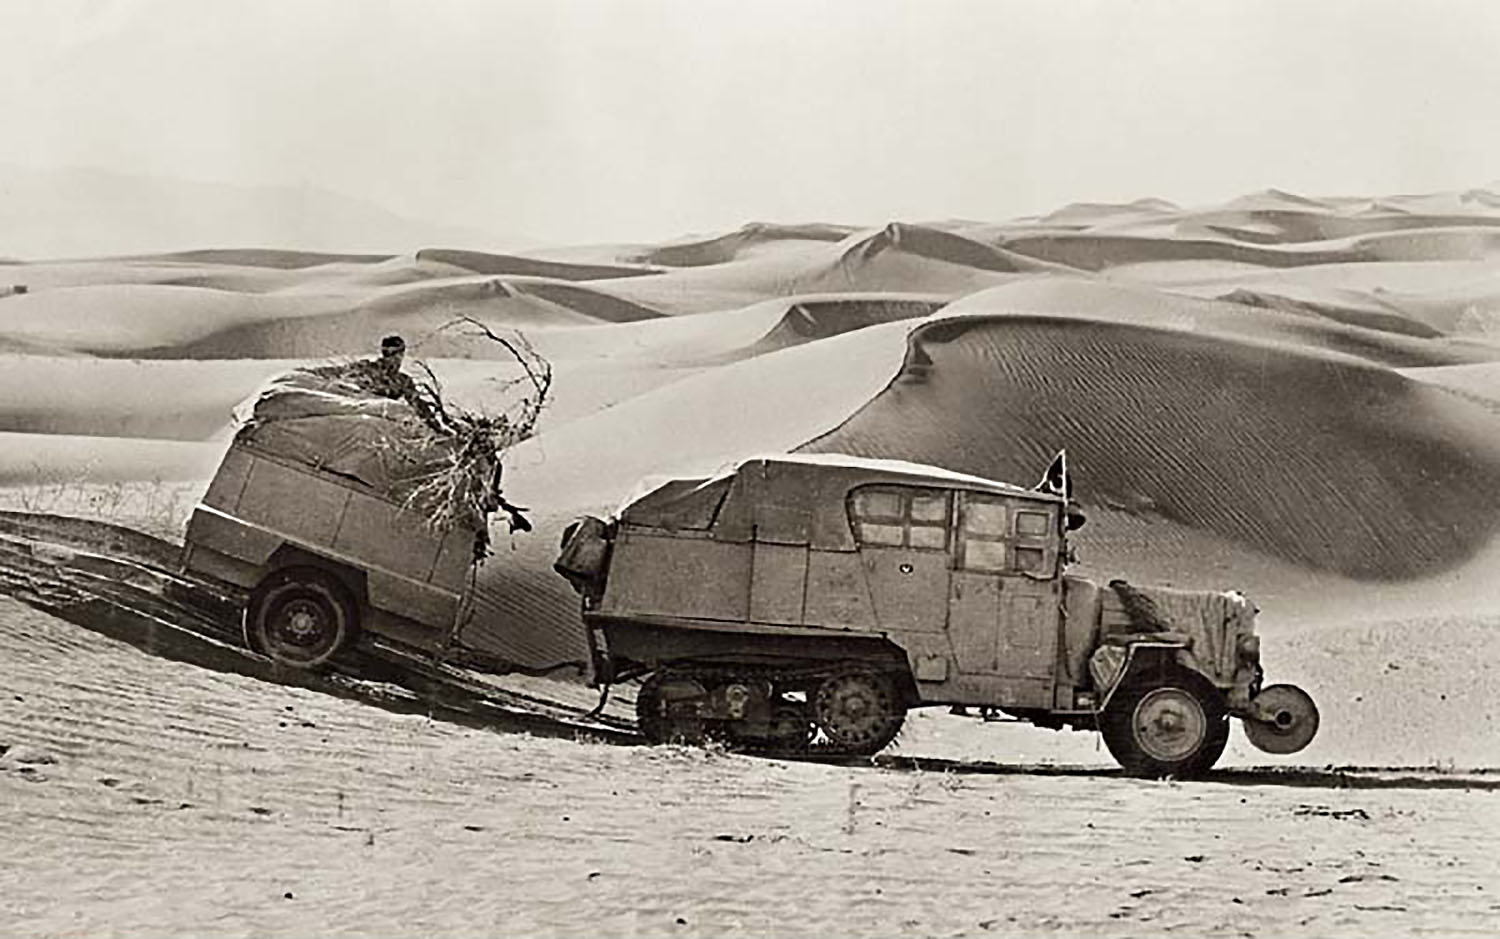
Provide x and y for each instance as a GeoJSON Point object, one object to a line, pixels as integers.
{"type": "Point", "coordinates": [1030, 559]}
{"type": "Point", "coordinates": [1031, 524]}
{"type": "Point", "coordinates": [870, 533]}
{"type": "Point", "coordinates": [984, 518]}
{"type": "Point", "coordinates": [877, 503]}
{"type": "Point", "coordinates": [929, 507]}
{"type": "Point", "coordinates": [929, 536]}
{"type": "Point", "coordinates": [984, 555]}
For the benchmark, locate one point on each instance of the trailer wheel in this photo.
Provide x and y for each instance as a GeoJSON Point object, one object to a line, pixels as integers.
{"type": "Point", "coordinates": [1171, 724]}
{"type": "Point", "coordinates": [300, 616]}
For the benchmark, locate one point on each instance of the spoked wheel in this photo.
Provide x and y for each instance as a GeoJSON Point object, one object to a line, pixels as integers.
{"type": "Point", "coordinates": [666, 709]}
{"type": "Point", "coordinates": [859, 711]}
{"type": "Point", "coordinates": [300, 616]}
{"type": "Point", "coordinates": [1172, 725]}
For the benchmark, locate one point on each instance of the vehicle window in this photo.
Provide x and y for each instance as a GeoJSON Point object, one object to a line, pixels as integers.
{"type": "Point", "coordinates": [1031, 524]}
{"type": "Point", "coordinates": [872, 533]}
{"type": "Point", "coordinates": [1031, 560]}
{"type": "Point", "coordinates": [901, 516]}
{"type": "Point", "coordinates": [930, 507]}
{"type": "Point", "coordinates": [999, 536]}
{"type": "Point", "coordinates": [877, 503]}
{"type": "Point", "coordinates": [984, 555]}
{"type": "Point", "coordinates": [929, 536]}
{"type": "Point", "coordinates": [984, 517]}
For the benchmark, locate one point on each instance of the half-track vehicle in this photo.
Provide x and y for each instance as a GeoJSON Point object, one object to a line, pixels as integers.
{"type": "Point", "coordinates": [805, 603]}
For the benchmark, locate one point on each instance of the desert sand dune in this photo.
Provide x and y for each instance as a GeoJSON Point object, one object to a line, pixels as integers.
{"type": "Point", "coordinates": [1480, 380]}
{"type": "Point", "coordinates": [587, 300]}
{"type": "Point", "coordinates": [722, 248]}
{"type": "Point", "coordinates": [939, 246]}
{"type": "Point", "coordinates": [1131, 303]}
{"type": "Point", "coordinates": [419, 312]}
{"type": "Point", "coordinates": [813, 318]}
{"type": "Point", "coordinates": [262, 257]}
{"type": "Point", "coordinates": [1295, 454]}
{"type": "Point", "coordinates": [1091, 251]}
{"type": "Point", "coordinates": [1094, 213]}
{"type": "Point", "coordinates": [481, 263]}
{"type": "Point", "coordinates": [45, 458]}
{"type": "Point", "coordinates": [899, 258]}
{"type": "Point", "coordinates": [1352, 308]}
{"type": "Point", "coordinates": [138, 319]}
{"type": "Point", "coordinates": [51, 395]}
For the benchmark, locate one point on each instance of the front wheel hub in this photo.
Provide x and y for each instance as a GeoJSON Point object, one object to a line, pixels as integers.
{"type": "Point", "coordinates": [1169, 724]}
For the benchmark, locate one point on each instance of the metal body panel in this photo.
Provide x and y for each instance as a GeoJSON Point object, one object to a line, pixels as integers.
{"type": "Point", "coordinates": [909, 588]}
{"type": "Point", "coordinates": [1028, 628]}
{"type": "Point", "coordinates": [838, 596]}
{"type": "Point", "coordinates": [661, 573]}
{"type": "Point", "coordinates": [223, 533]}
{"type": "Point", "coordinates": [257, 505]}
{"type": "Point", "coordinates": [367, 529]}
{"type": "Point", "coordinates": [663, 639]}
{"type": "Point", "coordinates": [229, 481]}
{"type": "Point", "coordinates": [290, 501]}
{"type": "Point", "coordinates": [974, 621]}
{"type": "Point", "coordinates": [431, 606]}
{"type": "Point", "coordinates": [778, 582]}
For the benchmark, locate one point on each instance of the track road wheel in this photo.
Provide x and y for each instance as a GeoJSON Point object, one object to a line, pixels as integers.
{"type": "Point", "coordinates": [859, 710]}
{"type": "Point", "coordinates": [300, 616]}
{"type": "Point", "coordinates": [666, 709]}
{"type": "Point", "coordinates": [1168, 725]}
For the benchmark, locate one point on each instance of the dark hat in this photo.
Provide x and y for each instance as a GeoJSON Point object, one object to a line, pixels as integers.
{"type": "Point", "coordinates": [390, 345]}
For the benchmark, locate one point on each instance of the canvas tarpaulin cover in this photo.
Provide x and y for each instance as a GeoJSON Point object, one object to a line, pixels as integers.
{"type": "Point", "coordinates": [326, 418]}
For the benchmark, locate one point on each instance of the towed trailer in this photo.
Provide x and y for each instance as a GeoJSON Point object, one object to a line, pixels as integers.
{"type": "Point", "coordinates": [326, 562]}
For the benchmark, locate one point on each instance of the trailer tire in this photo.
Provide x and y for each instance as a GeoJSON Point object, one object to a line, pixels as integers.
{"type": "Point", "coordinates": [301, 617]}
{"type": "Point", "coordinates": [1171, 723]}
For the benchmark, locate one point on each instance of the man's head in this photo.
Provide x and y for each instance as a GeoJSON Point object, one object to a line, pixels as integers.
{"type": "Point", "coordinates": [392, 350]}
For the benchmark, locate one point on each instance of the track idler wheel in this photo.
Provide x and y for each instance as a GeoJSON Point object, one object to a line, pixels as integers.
{"type": "Point", "coordinates": [860, 711]}
{"type": "Point", "coordinates": [668, 709]}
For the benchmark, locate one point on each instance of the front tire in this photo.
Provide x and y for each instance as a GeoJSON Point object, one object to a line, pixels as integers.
{"type": "Point", "coordinates": [301, 617]}
{"type": "Point", "coordinates": [1173, 724]}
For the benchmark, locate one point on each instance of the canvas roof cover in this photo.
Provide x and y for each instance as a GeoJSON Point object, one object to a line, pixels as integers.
{"type": "Point", "coordinates": [789, 499]}
{"type": "Point", "coordinates": [320, 418]}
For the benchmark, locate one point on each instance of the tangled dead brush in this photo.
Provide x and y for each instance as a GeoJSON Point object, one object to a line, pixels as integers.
{"type": "Point", "coordinates": [402, 436]}
{"type": "Point", "coordinates": [466, 486]}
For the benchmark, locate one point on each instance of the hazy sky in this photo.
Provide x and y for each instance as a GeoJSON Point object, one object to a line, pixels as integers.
{"type": "Point", "coordinates": [600, 121]}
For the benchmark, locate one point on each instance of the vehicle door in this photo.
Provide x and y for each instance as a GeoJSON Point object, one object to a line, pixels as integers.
{"type": "Point", "coordinates": [902, 532]}
{"type": "Point", "coordinates": [1004, 599]}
